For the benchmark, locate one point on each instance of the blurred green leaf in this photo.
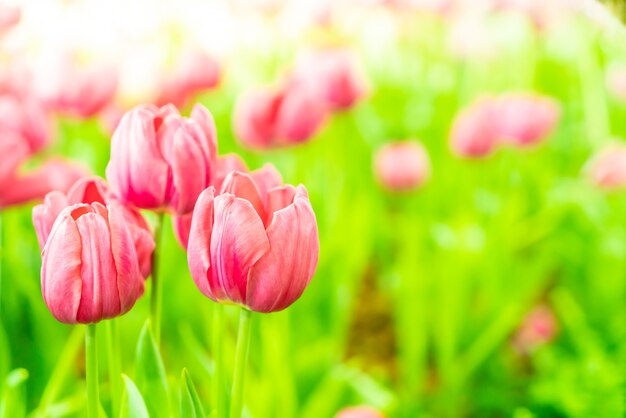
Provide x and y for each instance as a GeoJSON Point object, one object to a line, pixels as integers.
{"type": "Point", "coordinates": [133, 405]}
{"type": "Point", "coordinates": [150, 374]}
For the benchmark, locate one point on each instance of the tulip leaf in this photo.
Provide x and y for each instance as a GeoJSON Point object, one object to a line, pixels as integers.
{"type": "Point", "coordinates": [150, 374]}
{"type": "Point", "coordinates": [190, 405]}
{"type": "Point", "coordinates": [133, 405]}
{"type": "Point", "coordinates": [14, 399]}
{"type": "Point", "coordinates": [5, 357]}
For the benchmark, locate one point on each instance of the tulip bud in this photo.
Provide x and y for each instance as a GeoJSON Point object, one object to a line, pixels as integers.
{"type": "Point", "coordinates": [54, 174]}
{"type": "Point", "coordinates": [524, 119]}
{"type": "Point", "coordinates": [89, 270]}
{"type": "Point", "coordinates": [25, 118]}
{"type": "Point", "coordinates": [607, 169]}
{"type": "Point", "coordinates": [335, 74]}
{"type": "Point", "coordinates": [402, 166]}
{"type": "Point", "coordinates": [253, 246]}
{"type": "Point", "coordinates": [472, 134]}
{"type": "Point", "coordinates": [160, 160]}
{"type": "Point", "coordinates": [94, 190]}
{"type": "Point", "coordinates": [267, 117]}
{"type": "Point", "coordinates": [359, 412]}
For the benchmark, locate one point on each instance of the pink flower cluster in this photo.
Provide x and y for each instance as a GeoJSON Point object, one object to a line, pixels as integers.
{"type": "Point", "coordinates": [516, 119]}
{"type": "Point", "coordinates": [251, 240]}
{"type": "Point", "coordinates": [293, 110]}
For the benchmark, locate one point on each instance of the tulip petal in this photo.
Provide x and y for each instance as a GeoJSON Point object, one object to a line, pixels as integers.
{"type": "Point", "coordinates": [46, 213]}
{"type": "Point", "coordinates": [61, 283]}
{"type": "Point", "coordinates": [129, 283]}
{"type": "Point", "coordinates": [190, 171]}
{"type": "Point", "coordinates": [199, 246]}
{"type": "Point", "coordinates": [100, 297]}
{"type": "Point", "coordinates": [282, 274]}
{"type": "Point", "coordinates": [205, 121]}
{"type": "Point", "coordinates": [241, 185]}
{"type": "Point", "coordinates": [136, 171]}
{"type": "Point", "coordinates": [238, 241]}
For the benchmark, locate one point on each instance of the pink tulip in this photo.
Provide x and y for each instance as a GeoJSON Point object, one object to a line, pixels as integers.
{"type": "Point", "coordinates": [472, 134]}
{"type": "Point", "coordinates": [90, 270]}
{"type": "Point", "coordinates": [194, 73]}
{"type": "Point", "coordinates": [335, 74]}
{"type": "Point", "coordinates": [90, 190]}
{"type": "Point", "coordinates": [224, 165]}
{"type": "Point", "coordinates": [607, 169]}
{"type": "Point", "coordinates": [253, 246]}
{"type": "Point", "coordinates": [359, 412]}
{"type": "Point", "coordinates": [52, 175]}
{"type": "Point", "coordinates": [9, 16]}
{"type": "Point", "coordinates": [524, 119]}
{"type": "Point", "coordinates": [25, 118]}
{"type": "Point", "coordinates": [78, 91]}
{"type": "Point", "coordinates": [274, 117]}
{"type": "Point", "coordinates": [402, 166]}
{"type": "Point", "coordinates": [160, 160]}
{"type": "Point", "coordinates": [539, 327]}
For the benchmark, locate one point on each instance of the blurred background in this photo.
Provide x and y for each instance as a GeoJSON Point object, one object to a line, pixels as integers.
{"type": "Point", "coordinates": [465, 159]}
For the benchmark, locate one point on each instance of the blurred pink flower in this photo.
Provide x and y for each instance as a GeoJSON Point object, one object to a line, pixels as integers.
{"type": "Point", "coordinates": [402, 166]}
{"type": "Point", "coordinates": [160, 160]}
{"type": "Point", "coordinates": [272, 117]}
{"type": "Point", "coordinates": [607, 169]}
{"type": "Point", "coordinates": [616, 81]}
{"type": "Point", "coordinates": [90, 270]}
{"type": "Point", "coordinates": [195, 72]}
{"type": "Point", "coordinates": [524, 119]}
{"type": "Point", "coordinates": [54, 174]}
{"type": "Point", "coordinates": [90, 190]}
{"type": "Point", "coordinates": [253, 245]}
{"type": "Point", "coordinates": [335, 74]}
{"type": "Point", "coordinates": [9, 16]}
{"type": "Point", "coordinates": [472, 134]}
{"type": "Point", "coordinates": [24, 118]}
{"type": "Point", "coordinates": [75, 89]}
{"type": "Point", "coordinates": [359, 412]}
{"type": "Point", "coordinates": [539, 327]}
{"type": "Point", "coordinates": [224, 165]}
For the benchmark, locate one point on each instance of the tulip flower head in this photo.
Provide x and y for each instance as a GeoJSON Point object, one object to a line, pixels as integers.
{"type": "Point", "coordinates": [75, 89]}
{"type": "Point", "coordinates": [90, 270]}
{"type": "Point", "coordinates": [607, 169]}
{"type": "Point", "coordinates": [402, 166]}
{"type": "Point", "coordinates": [253, 245]}
{"type": "Point", "coordinates": [472, 134]}
{"type": "Point", "coordinates": [524, 119]}
{"type": "Point", "coordinates": [160, 160]}
{"type": "Point", "coordinates": [359, 412]}
{"type": "Point", "coordinates": [90, 190]}
{"type": "Point", "coordinates": [336, 74]}
{"type": "Point", "coordinates": [272, 117]}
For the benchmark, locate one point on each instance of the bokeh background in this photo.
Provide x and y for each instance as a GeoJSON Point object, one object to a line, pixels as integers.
{"type": "Point", "coordinates": [493, 285]}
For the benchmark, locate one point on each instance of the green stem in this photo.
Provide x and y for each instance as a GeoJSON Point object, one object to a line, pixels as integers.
{"type": "Point", "coordinates": [241, 360]}
{"type": "Point", "coordinates": [91, 363]}
{"type": "Point", "coordinates": [217, 350]}
{"type": "Point", "coordinates": [1, 258]}
{"type": "Point", "coordinates": [157, 286]}
{"type": "Point", "coordinates": [64, 364]}
{"type": "Point", "coordinates": [113, 363]}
